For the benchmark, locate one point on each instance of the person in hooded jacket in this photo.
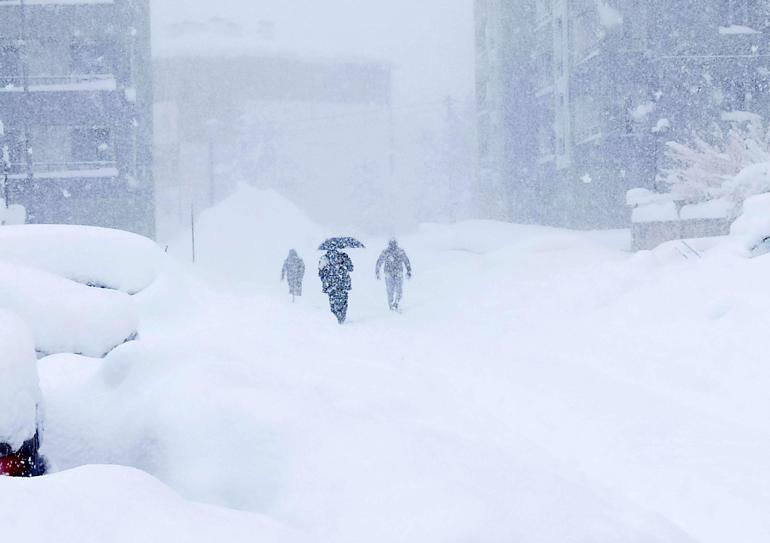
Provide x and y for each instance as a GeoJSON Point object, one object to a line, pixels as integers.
{"type": "Point", "coordinates": [294, 272]}
{"type": "Point", "coordinates": [334, 270]}
{"type": "Point", "coordinates": [393, 259]}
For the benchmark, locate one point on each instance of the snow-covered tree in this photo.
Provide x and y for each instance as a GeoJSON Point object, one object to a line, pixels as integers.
{"type": "Point", "coordinates": [703, 170]}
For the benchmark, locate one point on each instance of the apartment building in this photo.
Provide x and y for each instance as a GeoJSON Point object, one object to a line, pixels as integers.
{"type": "Point", "coordinates": [610, 82]}
{"type": "Point", "coordinates": [76, 110]}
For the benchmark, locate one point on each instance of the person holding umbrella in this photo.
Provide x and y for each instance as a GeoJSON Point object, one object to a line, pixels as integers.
{"type": "Point", "coordinates": [334, 269]}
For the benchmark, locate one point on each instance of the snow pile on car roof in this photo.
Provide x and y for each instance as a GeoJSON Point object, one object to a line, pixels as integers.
{"type": "Point", "coordinates": [19, 387]}
{"type": "Point", "coordinates": [64, 316]}
{"type": "Point", "coordinates": [95, 256]}
{"type": "Point", "coordinates": [121, 505]}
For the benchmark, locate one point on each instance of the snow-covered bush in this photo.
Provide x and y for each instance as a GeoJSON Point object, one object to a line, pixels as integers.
{"type": "Point", "coordinates": [753, 226]}
{"type": "Point", "coordinates": [705, 171]}
{"type": "Point", "coordinates": [19, 386]}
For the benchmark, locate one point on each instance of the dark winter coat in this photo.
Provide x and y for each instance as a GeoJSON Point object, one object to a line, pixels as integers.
{"type": "Point", "coordinates": [334, 270]}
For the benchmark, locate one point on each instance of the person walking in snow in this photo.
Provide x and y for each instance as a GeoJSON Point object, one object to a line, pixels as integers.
{"type": "Point", "coordinates": [293, 271]}
{"type": "Point", "coordinates": [334, 270]}
{"type": "Point", "coordinates": [393, 259]}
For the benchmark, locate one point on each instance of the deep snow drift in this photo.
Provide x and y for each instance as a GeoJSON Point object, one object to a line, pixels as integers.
{"type": "Point", "coordinates": [542, 385]}
{"type": "Point", "coordinates": [95, 504]}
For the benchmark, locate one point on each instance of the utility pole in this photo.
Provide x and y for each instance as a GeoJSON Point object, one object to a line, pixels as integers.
{"type": "Point", "coordinates": [391, 129]}
{"type": "Point", "coordinates": [192, 230]}
{"type": "Point", "coordinates": [25, 83]}
{"type": "Point", "coordinates": [212, 173]}
{"type": "Point", "coordinates": [5, 181]}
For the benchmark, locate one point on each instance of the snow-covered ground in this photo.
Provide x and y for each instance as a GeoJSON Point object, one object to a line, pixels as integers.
{"type": "Point", "coordinates": [541, 385]}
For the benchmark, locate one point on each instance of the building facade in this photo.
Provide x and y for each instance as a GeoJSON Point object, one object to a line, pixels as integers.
{"type": "Point", "coordinates": [318, 130]}
{"type": "Point", "coordinates": [600, 86]}
{"type": "Point", "coordinates": [76, 110]}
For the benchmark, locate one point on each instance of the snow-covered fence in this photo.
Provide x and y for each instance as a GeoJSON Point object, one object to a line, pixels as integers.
{"type": "Point", "coordinates": [658, 218]}
{"type": "Point", "coordinates": [648, 235]}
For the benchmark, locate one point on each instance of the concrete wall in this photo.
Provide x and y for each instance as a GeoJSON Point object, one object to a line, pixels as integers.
{"type": "Point", "coordinates": [648, 235]}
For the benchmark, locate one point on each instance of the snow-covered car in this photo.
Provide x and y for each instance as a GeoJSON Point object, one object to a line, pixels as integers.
{"type": "Point", "coordinates": [24, 462]}
{"type": "Point", "coordinates": [19, 401]}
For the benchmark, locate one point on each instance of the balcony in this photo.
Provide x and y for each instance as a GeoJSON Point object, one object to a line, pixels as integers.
{"type": "Point", "coordinates": [64, 170]}
{"type": "Point", "coordinates": [66, 83]}
{"type": "Point", "coordinates": [52, 2]}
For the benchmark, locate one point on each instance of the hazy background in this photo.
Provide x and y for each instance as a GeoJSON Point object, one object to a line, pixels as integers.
{"type": "Point", "coordinates": [376, 166]}
{"type": "Point", "coordinates": [430, 42]}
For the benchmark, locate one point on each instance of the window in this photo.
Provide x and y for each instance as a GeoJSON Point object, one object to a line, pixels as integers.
{"type": "Point", "coordinates": [546, 133]}
{"type": "Point", "coordinates": [60, 146]}
{"type": "Point", "coordinates": [585, 35]}
{"type": "Point", "coordinates": [586, 118]}
{"type": "Point", "coordinates": [545, 140]}
{"type": "Point", "coordinates": [89, 57]}
{"type": "Point", "coordinates": [16, 142]}
{"type": "Point", "coordinates": [49, 145]}
{"type": "Point", "coordinates": [543, 10]}
{"type": "Point", "coordinates": [544, 59]}
{"type": "Point", "coordinates": [635, 32]}
{"type": "Point", "coordinates": [46, 60]}
{"type": "Point", "coordinates": [91, 144]}
{"type": "Point", "coordinates": [740, 12]}
{"type": "Point", "coordinates": [10, 65]}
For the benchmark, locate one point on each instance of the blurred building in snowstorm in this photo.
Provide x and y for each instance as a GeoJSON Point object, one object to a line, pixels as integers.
{"type": "Point", "coordinates": [233, 106]}
{"type": "Point", "coordinates": [76, 111]}
{"type": "Point", "coordinates": [577, 98]}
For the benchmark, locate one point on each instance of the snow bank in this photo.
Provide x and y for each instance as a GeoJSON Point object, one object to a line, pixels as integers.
{"type": "Point", "coordinates": [19, 389]}
{"type": "Point", "coordinates": [95, 504]}
{"type": "Point", "coordinates": [660, 211]}
{"type": "Point", "coordinates": [478, 236]}
{"type": "Point", "coordinates": [753, 179]}
{"type": "Point", "coordinates": [752, 228]}
{"type": "Point", "coordinates": [65, 316]}
{"type": "Point", "coordinates": [248, 236]}
{"type": "Point", "coordinates": [97, 256]}
{"type": "Point", "coordinates": [13, 214]}
{"type": "Point", "coordinates": [720, 208]}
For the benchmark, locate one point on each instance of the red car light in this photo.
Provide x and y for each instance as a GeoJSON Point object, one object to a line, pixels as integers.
{"type": "Point", "coordinates": [16, 465]}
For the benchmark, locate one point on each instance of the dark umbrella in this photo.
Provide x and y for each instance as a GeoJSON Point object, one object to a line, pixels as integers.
{"type": "Point", "coordinates": [341, 243]}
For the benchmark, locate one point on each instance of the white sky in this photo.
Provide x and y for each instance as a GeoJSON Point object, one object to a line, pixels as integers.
{"type": "Point", "coordinates": [430, 42]}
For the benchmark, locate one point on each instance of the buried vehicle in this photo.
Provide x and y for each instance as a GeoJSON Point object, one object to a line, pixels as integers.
{"type": "Point", "coordinates": [24, 462]}
{"type": "Point", "coordinates": [19, 401]}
